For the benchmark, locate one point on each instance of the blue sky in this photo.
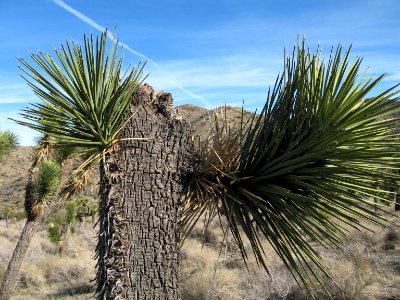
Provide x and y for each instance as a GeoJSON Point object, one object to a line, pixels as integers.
{"type": "Point", "coordinates": [207, 53]}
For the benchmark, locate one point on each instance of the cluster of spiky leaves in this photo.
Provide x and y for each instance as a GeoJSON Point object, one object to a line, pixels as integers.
{"type": "Point", "coordinates": [217, 158]}
{"type": "Point", "coordinates": [43, 186]}
{"type": "Point", "coordinates": [304, 170]}
{"type": "Point", "coordinates": [84, 95]}
{"type": "Point", "coordinates": [46, 170]}
{"type": "Point", "coordinates": [8, 141]}
{"type": "Point", "coordinates": [84, 99]}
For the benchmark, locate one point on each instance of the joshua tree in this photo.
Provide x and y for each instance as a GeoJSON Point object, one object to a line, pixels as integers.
{"type": "Point", "coordinates": [86, 207]}
{"type": "Point", "coordinates": [42, 184]}
{"type": "Point", "coordinates": [110, 90]}
{"type": "Point", "coordinates": [105, 97]}
{"type": "Point", "coordinates": [297, 171]}
{"type": "Point", "coordinates": [43, 196]}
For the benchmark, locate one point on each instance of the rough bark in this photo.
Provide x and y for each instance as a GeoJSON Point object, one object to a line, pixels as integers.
{"type": "Point", "coordinates": [11, 275]}
{"type": "Point", "coordinates": [141, 186]}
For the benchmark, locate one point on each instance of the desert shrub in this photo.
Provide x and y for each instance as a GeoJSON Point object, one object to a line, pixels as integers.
{"type": "Point", "coordinates": [12, 212]}
{"type": "Point", "coordinates": [353, 268]}
{"type": "Point", "coordinates": [390, 240]}
{"type": "Point", "coordinates": [204, 275]}
{"type": "Point", "coordinates": [206, 237]}
{"type": "Point", "coordinates": [278, 284]}
{"type": "Point", "coordinates": [11, 233]}
{"type": "Point", "coordinates": [232, 263]}
{"type": "Point", "coordinates": [85, 207]}
{"type": "Point", "coordinates": [211, 285]}
{"type": "Point", "coordinates": [31, 276]}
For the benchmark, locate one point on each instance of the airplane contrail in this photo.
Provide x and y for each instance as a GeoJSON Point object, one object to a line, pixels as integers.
{"type": "Point", "coordinates": [100, 28]}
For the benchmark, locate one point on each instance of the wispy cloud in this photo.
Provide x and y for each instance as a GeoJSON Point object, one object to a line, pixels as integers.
{"type": "Point", "coordinates": [168, 75]}
{"type": "Point", "coordinates": [234, 55]}
{"type": "Point", "coordinates": [227, 80]}
{"type": "Point", "coordinates": [223, 72]}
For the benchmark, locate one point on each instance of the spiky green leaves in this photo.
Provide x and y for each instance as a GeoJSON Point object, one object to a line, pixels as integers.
{"type": "Point", "coordinates": [215, 168]}
{"type": "Point", "coordinates": [84, 94]}
{"type": "Point", "coordinates": [47, 179]}
{"type": "Point", "coordinates": [8, 141]}
{"type": "Point", "coordinates": [54, 233]}
{"type": "Point", "coordinates": [42, 187]}
{"type": "Point", "coordinates": [310, 165]}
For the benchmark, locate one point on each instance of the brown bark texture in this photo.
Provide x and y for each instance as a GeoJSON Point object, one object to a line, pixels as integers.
{"type": "Point", "coordinates": [141, 185]}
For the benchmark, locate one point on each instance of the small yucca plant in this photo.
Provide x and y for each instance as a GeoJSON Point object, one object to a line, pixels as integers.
{"type": "Point", "coordinates": [54, 233]}
{"type": "Point", "coordinates": [40, 190]}
{"type": "Point", "coordinates": [303, 171]}
{"type": "Point", "coordinates": [61, 225]}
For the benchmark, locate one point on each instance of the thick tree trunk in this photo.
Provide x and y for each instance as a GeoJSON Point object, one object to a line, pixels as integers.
{"type": "Point", "coordinates": [141, 186]}
{"type": "Point", "coordinates": [11, 275]}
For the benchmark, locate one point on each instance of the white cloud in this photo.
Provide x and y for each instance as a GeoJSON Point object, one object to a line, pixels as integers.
{"type": "Point", "coordinates": [228, 80]}
{"type": "Point", "coordinates": [225, 72]}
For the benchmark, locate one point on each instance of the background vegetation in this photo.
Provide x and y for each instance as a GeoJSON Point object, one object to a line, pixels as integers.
{"type": "Point", "coordinates": [369, 269]}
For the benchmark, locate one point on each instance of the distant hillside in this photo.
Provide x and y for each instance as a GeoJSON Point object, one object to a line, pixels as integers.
{"type": "Point", "coordinates": [14, 176]}
{"type": "Point", "coordinates": [14, 169]}
{"type": "Point", "coordinates": [199, 118]}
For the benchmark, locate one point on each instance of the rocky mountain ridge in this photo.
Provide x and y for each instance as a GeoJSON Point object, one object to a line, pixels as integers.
{"type": "Point", "coordinates": [14, 169]}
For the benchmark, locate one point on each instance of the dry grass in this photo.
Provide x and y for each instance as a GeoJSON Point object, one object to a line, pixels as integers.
{"type": "Point", "coordinates": [369, 269]}
{"type": "Point", "coordinates": [47, 275]}
{"type": "Point", "coordinates": [210, 270]}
